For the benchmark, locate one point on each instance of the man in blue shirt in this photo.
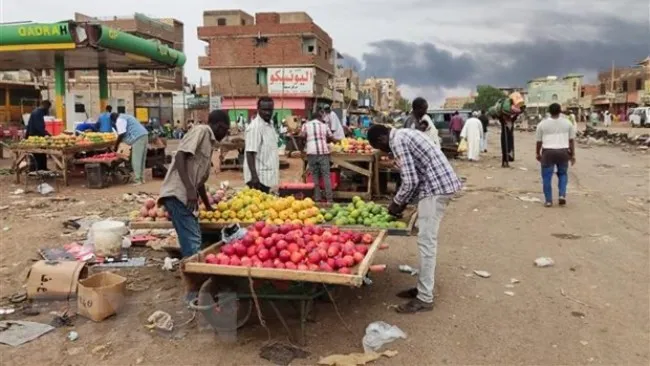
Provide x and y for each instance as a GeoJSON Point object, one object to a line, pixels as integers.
{"type": "Point", "coordinates": [104, 121]}
{"type": "Point", "coordinates": [36, 127]}
{"type": "Point", "coordinates": [131, 131]}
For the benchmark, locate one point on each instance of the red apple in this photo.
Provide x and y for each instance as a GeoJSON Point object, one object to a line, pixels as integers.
{"type": "Point", "coordinates": [240, 249]}
{"type": "Point", "coordinates": [279, 265]}
{"type": "Point", "coordinates": [290, 265]}
{"type": "Point", "coordinates": [325, 267]}
{"type": "Point", "coordinates": [313, 257]}
{"type": "Point", "coordinates": [367, 238]}
{"type": "Point", "coordinates": [340, 262]}
{"type": "Point", "coordinates": [268, 264]}
{"type": "Point", "coordinates": [273, 252]}
{"type": "Point", "coordinates": [313, 267]}
{"type": "Point", "coordinates": [251, 251]}
{"type": "Point", "coordinates": [302, 267]}
{"type": "Point", "coordinates": [330, 262]}
{"type": "Point", "coordinates": [293, 247]}
{"type": "Point", "coordinates": [259, 241]}
{"type": "Point", "coordinates": [211, 258]}
{"type": "Point", "coordinates": [349, 260]}
{"type": "Point", "coordinates": [281, 244]}
{"type": "Point", "coordinates": [345, 270]}
{"type": "Point", "coordinates": [259, 225]}
{"type": "Point", "coordinates": [332, 251]}
{"type": "Point", "coordinates": [246, 262]}
{"type": "Point", "coordinates": [268, 242]}
{"type": "Point", "coordinates": [248, 240]}
{"type": "Point", "coordinates": [263, 254]}
{"type": "Point", "coordinates": [358, 257]}
{"type": "Point", "coordinates": [228, 249]}
{"type": "Point", "coordinates": [284, 255]}
{"type": "Point", "coordinates": [265, 232]}
{"type": "Point", "coordinates": [335, 230]}
{"type": "Point", "coordinates": [348, 248]}
{"type": "Point", "coordinates": [363, 249]}
{"type": "Point", "coordinates": [296, 257]}
{"type": "Point", "coordinates": [224, 261]}
{"type": "Point", "coordinates": [235, 261]}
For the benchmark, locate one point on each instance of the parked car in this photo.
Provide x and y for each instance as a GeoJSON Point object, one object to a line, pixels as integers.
{"type": "Point", "coordinates": [640, 117]}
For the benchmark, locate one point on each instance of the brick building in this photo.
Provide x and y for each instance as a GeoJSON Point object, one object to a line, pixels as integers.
{"type": "Point", "coordinates": [382, 92]}
{"type": "Point", "coordinates": [283, 55]}
{"type": "Point", "coordinates": [623, 88]}
{"type": "Point", "coordinates": [143, 93]}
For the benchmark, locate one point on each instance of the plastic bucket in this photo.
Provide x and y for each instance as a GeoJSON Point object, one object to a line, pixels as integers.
{"type": "Point", "coordinates": [107, 237]}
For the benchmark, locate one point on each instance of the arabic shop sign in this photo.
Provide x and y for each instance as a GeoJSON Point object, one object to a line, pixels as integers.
{"type": "Point", "coordinates": [291, 81]}
{"type": "Point", "coordinates": [35, 33]}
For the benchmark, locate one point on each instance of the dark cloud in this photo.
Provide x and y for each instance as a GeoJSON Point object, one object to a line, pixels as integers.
{"type": "Point", "coordinates": [555, 44]}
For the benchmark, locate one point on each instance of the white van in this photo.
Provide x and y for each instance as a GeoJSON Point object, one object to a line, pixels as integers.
{"type": "Point", "coordinates": [640, 117]}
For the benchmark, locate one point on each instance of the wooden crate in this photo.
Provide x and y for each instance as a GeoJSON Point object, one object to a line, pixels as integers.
{"type": "Point", "coordinates": [194, 269]}
{"type": "Point", "coordinates": [409, 216]}
{"type": "Point", "coordinates": [349, 162]}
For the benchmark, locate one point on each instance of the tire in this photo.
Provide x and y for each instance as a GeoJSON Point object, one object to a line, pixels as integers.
{"type": "Point", "coordinates": [213, 294]}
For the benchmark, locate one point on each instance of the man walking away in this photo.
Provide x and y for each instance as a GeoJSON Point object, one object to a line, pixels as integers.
{"type": "Point", "coordinates": [36, 127]}
{"type": "Point", "coordinates": [104, 123]}
{"type": "Point", "coordinates": [607, 118]}
{"type": "Point", "coordinates": [261, 161]}
{"type": "Point", "coordinates": [133, 133]}
{"type": "Point", "coordinates": [334, 122]}
{"type": "Point", "coordinates": [316, 134]}
{"type": "Point", "coordinates": [456, 125]}
{"type": "Point", "coordinates": [424, 121]}
{"type": "Point", "coordinates": [555, 148]}
{"type": "Point", "coordinates": [473, 133]}
{"type": "Point", "coordinates": [485, 121]}
{"type": "Point", "coordinates": [425, 172]}
{"type": "Point", "coordinates": [185, 180]}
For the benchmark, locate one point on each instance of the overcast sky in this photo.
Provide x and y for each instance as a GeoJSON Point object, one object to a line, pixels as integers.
{"type": "Point", "coordinates": [432, 47]}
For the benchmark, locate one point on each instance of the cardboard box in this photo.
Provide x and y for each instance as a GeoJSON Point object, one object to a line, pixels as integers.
{"type": "Point", "coordinates": [54, 280]}
{"type": "Point", "coordinates": [101, 295]}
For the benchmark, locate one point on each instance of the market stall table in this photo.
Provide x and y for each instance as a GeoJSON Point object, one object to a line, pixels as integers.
{"type": "Point", "coordinates": [364, 165]}
{"type": "Point", "coordinates": [221, 287]}
{"type": "Point", "coordinates": [62, 157]}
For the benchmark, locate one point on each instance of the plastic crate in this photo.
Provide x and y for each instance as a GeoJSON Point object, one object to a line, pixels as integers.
{"type": "Point", "coordinates": [335, 179]}
{"type": "Point", "coordinates": [95, 175]}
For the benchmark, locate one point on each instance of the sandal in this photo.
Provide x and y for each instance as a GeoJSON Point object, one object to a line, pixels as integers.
{"type": "Point", "coordinates": [414, 306]}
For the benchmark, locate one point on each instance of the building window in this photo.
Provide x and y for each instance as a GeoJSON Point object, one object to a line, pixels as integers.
{"type": "Point", "coordinates": [260, 76]}
{"type": "Point", "coordinates": [554, 97]}
{"type": "Point", "coordinates": [602, 88]}
{"type": "Point", "coordinates": [639, 84]}
{"type": "Point", "coordinates": [243, 22]}
{"type": "Point", "coordinates": [3, 95]}
{"type": "Point", "coordinates": [309, 45]}
{"type": "Point", "coordinates": [575, 86]}
{"type": "Point", "coordinates": [221, 21]}
{"type": "Point", "coordinates": [582, 93]}
{"type": "Point", "coordinates": [624, 85]}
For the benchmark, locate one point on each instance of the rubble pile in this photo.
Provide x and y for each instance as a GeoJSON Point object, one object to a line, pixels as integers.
{"type": "Point", "coordinates": [593, 136]}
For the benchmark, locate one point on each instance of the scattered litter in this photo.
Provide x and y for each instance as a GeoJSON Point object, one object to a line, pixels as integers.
{"type": "Point", "coordinates": [62, 320]}
{"type": "Point", "coordinates": [529, 199]}
{"type": "Point", "coordinates": [2, 208]}
{"type": "Point", "coordinates": [483, 274]}
{"type": "Point", "coordinates": [17, 332]}
{"type": "Point", "coordinates": [475, 210]}
{"type": "Point", "coordinates": [405, 268]}
{"type": "Point", "coordinates": [625, 166]}
{"type": "Point", "coordinates": [544, 262]}
{"type": "Point", "coordinates": [509, 293]}
{"type": "Point", "coordinates": [75, 351]}
{"type": "Point", "coordinates": [18, 192]}
{"type": "Point", "coordinates": [380, 333]}
{"type": "Point", "coordinates": [488, 178]}
{"type": "Point", "coordinates": [510, 286]}
{"type": "Point", "coordinates": [30, 311]}
{"type": "Point", "coordinates": [354, 358]}
{"type": "Point", "coordinates": [44, 189]}
{"type": "Point", "coordinates": [160, 320]}
{"type": "Point", "coordinates": [566, 236]}
{"type": "Point", "coordinates": [7, 311]}
{"type": "Point", "coordinates": [281, 354]}
{"type": "Point", "coordinates": [139, 360]}
{"type": "Point", "coordinates": [514, 281]}
{"type": "Point", "coordinates": [468, 275]}
{"type": "Point", "coordinates": [523, 168]}
{"type": "Point", "coordinates": [563, 293]}
{"type": "Point", "coordinates": [73, 336]}
{"type": "Point", "coordinates": [578, 314]}
{"type": "Point", "coordinates": [131, 262]}
{"type": "Point", "coordinates": [103, 351]}
{"type": "Point", "coordinates": [584, 343]}
{"type": "Point", "coordinates": [6, 228]}
{"type": "Point", "coordinates": [169, 263]}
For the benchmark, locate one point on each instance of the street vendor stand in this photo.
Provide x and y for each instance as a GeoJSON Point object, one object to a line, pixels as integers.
{"type": "Point", "coordinates": [231, 154]}
{"type": "Point", "coordinates": [240, 289]}
{"type": "Point", "coordinates": [364, 165]}
{"type": "Point", "coordinates": [62, 158]}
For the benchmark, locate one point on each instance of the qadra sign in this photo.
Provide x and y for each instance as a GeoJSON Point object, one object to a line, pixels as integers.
{"type": "Point", "coordinates": [42, 30]}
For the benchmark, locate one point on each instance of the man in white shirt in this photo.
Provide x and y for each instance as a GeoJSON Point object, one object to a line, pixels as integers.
{"type": "Point", "coordinates": [555, 148]}
{"type": "Point", "coordinates": [261, 161]}
{"type": "Point", "coordinates": [425, 123]}
{"type": "Point", "coordinates": [131, 132]}
{"type": "Point", "coordinates": [335, 123]}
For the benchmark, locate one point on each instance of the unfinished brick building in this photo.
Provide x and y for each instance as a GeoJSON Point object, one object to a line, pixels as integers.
{"type": "Point", "coordinates": [283, 55]}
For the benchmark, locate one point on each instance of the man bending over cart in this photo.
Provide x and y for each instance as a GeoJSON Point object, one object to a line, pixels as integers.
{"type": "Point", "coordinates": [425, 171]}
{"type": "Point", "coordinates": [185, 180]}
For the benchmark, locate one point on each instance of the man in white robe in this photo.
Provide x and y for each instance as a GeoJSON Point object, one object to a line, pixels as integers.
{"type": "Point", "coordinates": [473, 133]}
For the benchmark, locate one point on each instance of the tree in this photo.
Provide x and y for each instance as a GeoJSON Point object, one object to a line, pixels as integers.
{"type": "Point", "coordinates": [487, 96]}
{"type": "Point", "coordinates": [403, 105]}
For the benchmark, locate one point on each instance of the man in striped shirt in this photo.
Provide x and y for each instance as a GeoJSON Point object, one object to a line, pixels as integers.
{"type": "Point", "coordinates": [425, 172]}
{"type": "Point", "coordinates": [262, 162]}
{"type": "Point", "coordinates": [317, 134]}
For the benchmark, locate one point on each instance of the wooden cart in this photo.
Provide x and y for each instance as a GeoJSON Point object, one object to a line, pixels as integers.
{"type": "Point", "coordinates": [62, 158]}
{"type": "Point", "coordinates": [361, 164]}
{"type": "Point", "coordinates": [220, 288]}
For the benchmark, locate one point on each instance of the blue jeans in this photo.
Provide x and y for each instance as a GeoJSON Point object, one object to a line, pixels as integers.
{"type": "Point", "coordinates": [547, 177]}
{"type": "Point", "coordinates": [186, 225]}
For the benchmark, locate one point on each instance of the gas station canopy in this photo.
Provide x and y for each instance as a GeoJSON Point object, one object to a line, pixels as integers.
{"type": "Point", "coordinates": [83, 45]}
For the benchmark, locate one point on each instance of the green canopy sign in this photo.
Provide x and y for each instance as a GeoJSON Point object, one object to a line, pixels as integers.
{"type": "Point", "coordinates": [35, 33]}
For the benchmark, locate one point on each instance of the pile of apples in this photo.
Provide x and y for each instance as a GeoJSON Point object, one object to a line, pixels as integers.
{"type": "Point", "coordinates": [295, 247]}
{"type": "Point", "coordinates": [149, 212]}
{"type": "Point", "coordinates": [353, 146]}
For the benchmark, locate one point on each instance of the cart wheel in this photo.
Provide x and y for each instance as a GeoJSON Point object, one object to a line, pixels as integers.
{"type": "Point", "coordinates": [213, 302]}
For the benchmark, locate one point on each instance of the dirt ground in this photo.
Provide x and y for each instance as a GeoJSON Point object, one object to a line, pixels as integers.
{"type": "Point", "coordinates": [591, 307]}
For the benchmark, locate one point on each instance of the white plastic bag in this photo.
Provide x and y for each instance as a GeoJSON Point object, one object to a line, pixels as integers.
{"type": "Point", "coordinates": [380, 333]}
{"type": "Point", "coordinates": [44, 189]}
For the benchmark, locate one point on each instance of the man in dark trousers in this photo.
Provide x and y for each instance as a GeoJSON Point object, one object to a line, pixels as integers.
{"type": "Point", "coordinates": [36, 127]}
{"type": "Point", "coordinates": [485, 121]}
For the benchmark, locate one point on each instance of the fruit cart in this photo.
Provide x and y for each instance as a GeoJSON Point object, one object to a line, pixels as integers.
{"type": "Point", "coordinates": [102, 170]}
{"type": "Point", "coordinates": [61, 156]}
{"type": "Point", "coordinates": [229, 294]}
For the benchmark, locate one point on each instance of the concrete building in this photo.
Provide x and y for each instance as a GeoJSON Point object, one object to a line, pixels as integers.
{"type": "Point", "coordinates": [283, 55]}
{"type": "Point", "coordinates": [346, 83]}
{"type": "Point", "coordinates": [383, 92]}
{"type": "Point", "coordinates": [456, 102]}
{"type": "Point", "coordinates": [143, 93]}
{"type": "Point", "coordinates": [623, 88]}
{"type": "Point", "coordinates": [544, 91]}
